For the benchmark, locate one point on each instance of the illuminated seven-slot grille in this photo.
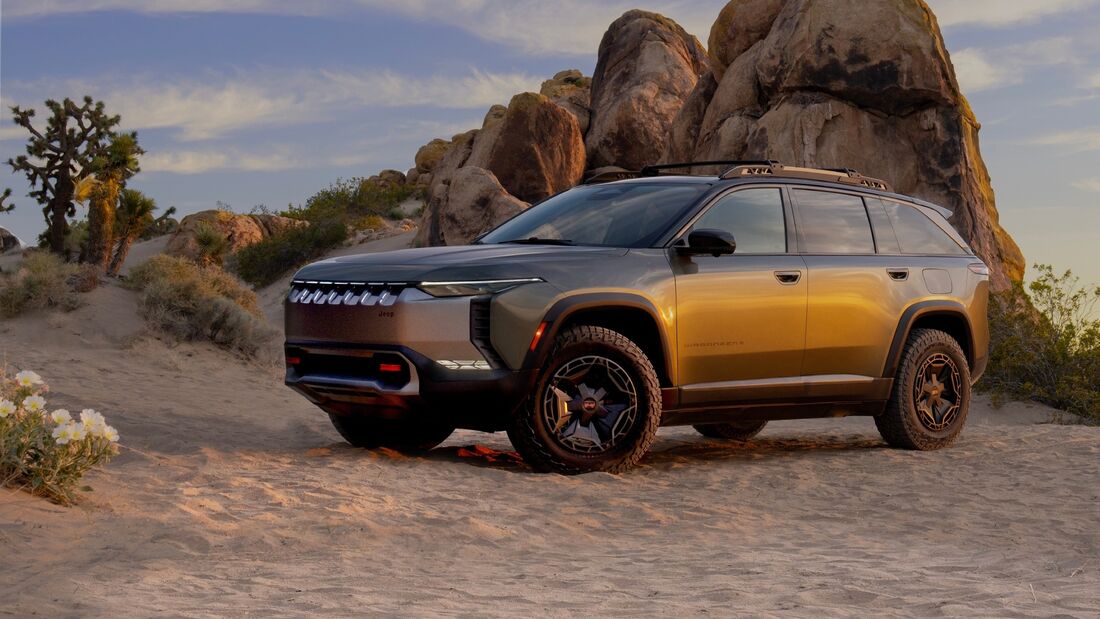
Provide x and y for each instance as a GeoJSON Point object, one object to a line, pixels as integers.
{"type": "Point", "coordinates": [345, 293]}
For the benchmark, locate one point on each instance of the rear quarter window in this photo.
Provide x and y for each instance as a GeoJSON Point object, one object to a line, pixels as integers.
{"type": "Point", "coordinates": [917, 234]}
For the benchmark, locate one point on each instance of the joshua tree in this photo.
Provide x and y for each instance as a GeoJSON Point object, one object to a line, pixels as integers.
{"type": "Point", "coordinates": [112, 169]}
{"type": "Point", "coordinates": [74, 137]}
{"type": "Point", "coordinates": [135, 215]}
{"type": "Point", "coordinates": [4, 196]}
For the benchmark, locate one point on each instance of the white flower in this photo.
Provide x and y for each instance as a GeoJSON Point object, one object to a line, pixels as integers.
{"type": "Point", "coordinates": [93, 421]}
{"type": "Point", "coordinates": [7, 407]}
{"type": "Point", "coordinates": [67, 432]}
{"type": "Point", "coordinates": [34, 403]}
{"type": "Point", "coordinates": [109, 433]}
{"type": "Point", "coordinates": [27, 378]}
{"type": "Point", "coordinates": [61, 416]}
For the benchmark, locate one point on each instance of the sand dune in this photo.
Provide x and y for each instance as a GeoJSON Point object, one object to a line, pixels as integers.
{"type": "Point", "coordinates": [235, 497]}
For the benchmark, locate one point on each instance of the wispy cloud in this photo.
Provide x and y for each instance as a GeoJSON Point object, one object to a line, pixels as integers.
{"type": "Point", "coordinates": [1085, 140]}
{"type": "Point", "coordinates": [1088, 184]}
{"type": "Point", "coordinates": [976, 72]}
{"type": "Point", "coordinates": [999, 13]}
{"type": "Point", "coordinates": [533, 26]}
{"type": "Point", "coordinates": [200, 109]}
{"type": "Point", "coordinates": [985, 69]}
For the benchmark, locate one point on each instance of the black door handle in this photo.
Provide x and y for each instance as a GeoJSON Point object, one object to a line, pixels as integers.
{"type": "Point", "coordinates": [788, 277]}
{"type": "Point", "coordinates": [898, 275]}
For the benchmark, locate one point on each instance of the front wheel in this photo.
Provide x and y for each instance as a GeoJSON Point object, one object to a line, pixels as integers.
{"type": "Point", "coordinates": [596, 405]}
{"type": "Point", "coordinates": [931, 397]}
{"type": "Point", "coordinates": [410, 435]}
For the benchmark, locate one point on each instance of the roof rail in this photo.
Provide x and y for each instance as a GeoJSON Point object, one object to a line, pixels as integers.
{"type": "Point", "coordinates": [654, 170]}
{"type": "Point", "coordinates": [836, 175]}
{"type": "Point", "coordinates": [609, 176]}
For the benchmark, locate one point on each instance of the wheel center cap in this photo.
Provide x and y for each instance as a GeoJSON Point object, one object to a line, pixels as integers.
{"type": "Point", "coordinates": [589, 405]}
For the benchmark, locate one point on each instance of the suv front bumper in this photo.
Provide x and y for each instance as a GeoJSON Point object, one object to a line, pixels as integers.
{"type": "Point", "coordinates": [344, 379]}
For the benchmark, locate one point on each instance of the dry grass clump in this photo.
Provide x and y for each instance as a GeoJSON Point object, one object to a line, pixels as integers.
{"type": "Point", "coordinates": [200, 303]}
{"type": "Point", "coordinates": [43, 280]}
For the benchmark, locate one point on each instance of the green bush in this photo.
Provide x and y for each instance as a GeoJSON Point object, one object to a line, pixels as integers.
{"type": "Point", "coordinates": [262, 263]}
{"type": "Point", "coordinates": [192, 302]}
{"type": "Point", "coordinates": [212, 244]}
{"type": "Point", "coordinates": [43, 280]}
{"type": "Point", "coordinates": [1045, 344]}
{"type": "Point", "coordinates": [43, 452]}
{"type": "Point", "coordinates": [346, 200]}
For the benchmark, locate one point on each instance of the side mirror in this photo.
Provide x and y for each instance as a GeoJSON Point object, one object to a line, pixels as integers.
{"type": "Point", "coordinates": [708, 241]}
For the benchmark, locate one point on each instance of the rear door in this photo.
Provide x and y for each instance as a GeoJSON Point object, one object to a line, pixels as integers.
{"type": "Point", "coordinates": [742, 316]}
{"type": "Point", "coordinates": [856, 294]}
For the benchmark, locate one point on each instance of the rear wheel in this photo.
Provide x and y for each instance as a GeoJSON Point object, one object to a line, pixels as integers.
{"type": "Point", "coordinates": [409, 435]}
{"type": "Point", "coordinates": [931, 397]}
{"type": "Point", "coordinates": [596, 405]}
{"type": "Point", "coordinates": [736, 431]}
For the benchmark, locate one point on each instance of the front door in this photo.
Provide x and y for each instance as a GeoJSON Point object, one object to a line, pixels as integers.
{"type": "Point", "coordinates": [743, 316]}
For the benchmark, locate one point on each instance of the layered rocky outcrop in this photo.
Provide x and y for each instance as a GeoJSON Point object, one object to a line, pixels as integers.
{"type": "Point", "coordinates": [238, 231]}
{"type": "Point", "coordinates": [647, 66]}
{"type": "Point", "coordinates": [801, 82]}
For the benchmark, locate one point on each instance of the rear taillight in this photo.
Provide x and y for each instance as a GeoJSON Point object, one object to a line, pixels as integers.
{"type": "Point", "coordinates": [389, 367]}
{"type": "Point", "coordinates": [978, 269]}
{"type": "Point", "coordinates": [293, 360]}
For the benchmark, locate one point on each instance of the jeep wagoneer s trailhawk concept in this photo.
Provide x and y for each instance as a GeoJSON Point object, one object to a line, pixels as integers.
{"type": "Point", "coordinates": [646, 299]}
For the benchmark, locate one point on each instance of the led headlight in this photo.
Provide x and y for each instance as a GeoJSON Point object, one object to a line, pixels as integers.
{"type": "Point", "coordinates": [473, 288]}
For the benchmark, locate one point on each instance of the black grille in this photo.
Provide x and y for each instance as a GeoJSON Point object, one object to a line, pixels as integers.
{"type": "Point", "coordinates": [479, 330]}
{"type": "Point", "coordinates": [345, 293]}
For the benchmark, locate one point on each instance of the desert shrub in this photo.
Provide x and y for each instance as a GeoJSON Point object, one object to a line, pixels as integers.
{"type": "Point", "coordinates": [199, 303]}
{"type": "Point", "coordinates": [212, 245]}
{"type": "Point", "coordinates": [42, 280]}
{"type": "Point", "coordinates": [1045, 344]}
{"type": "Point", "coordinates": [47, 453]}
{"type": "Point", "coordinates": [264, 262]}
{"type": "Point", "coordinates": [346, 200]}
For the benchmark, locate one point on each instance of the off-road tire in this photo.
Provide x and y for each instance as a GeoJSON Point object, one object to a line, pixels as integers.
{"type": "Point", "coordinates": [407, 435]}
{"type": "Point", "coordinates": [539, 447]}
{"type": "Point", "coordinates": [739, 431]}
{"type": "Point", "coordinates": [899, 424]}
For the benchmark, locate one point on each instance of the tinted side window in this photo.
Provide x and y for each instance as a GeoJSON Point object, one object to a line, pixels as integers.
{"type": "Point", "coordinates": [917, 234]}
{"type": "Point", "coordinates": [833, 223]}
{"type": "Point", "coordinates": [885, 240]}
{"type": "Point", "coordinates": [754, 217]}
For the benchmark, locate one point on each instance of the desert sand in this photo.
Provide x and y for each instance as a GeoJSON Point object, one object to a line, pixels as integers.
{"type": "Point", "coordinates": [233, 496]}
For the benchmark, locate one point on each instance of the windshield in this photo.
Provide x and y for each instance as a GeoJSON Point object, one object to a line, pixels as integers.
{"type": "Point", "coordinates": [627, 215]}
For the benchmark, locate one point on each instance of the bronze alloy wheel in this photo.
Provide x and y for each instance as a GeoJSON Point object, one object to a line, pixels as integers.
{"type": "Point", "coordinates": [936, 392]}
{"type": "Point", "coordinates": [590, 405]}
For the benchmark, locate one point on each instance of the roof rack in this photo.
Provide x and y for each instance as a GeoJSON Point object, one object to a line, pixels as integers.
{"type": "Point", "coordinates": [654, 170]}
{"type": "Point", "coordinates": [609, 176]}
{"type": "Point", "coordinates": [837, 175]}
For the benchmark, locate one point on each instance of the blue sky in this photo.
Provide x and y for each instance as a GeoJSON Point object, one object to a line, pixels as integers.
{"type": "Point", "coordinates": [266, 101]}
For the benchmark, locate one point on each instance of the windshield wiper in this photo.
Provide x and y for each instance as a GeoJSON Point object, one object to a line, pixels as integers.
{"type": "Point", "coordinates": [534, 240]}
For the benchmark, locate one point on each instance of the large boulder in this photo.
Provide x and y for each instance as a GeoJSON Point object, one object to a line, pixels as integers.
{"type": "Point", "coordinates": [238, 231]}
{"type": "Point", "coordinates": [430, 154]}
{"type": "Point", "coordinates": [8, 242]}
{"type": "Point", "coordinates": [573, 91]}
{"type": "Point", "coordinates": [535, 150]}
{"type": "Point", "coordinates": [805, 84]}
{"type": "Point", "coordinates": [647, 67]}
{"type": "Point", "coordinates": [473, 202]}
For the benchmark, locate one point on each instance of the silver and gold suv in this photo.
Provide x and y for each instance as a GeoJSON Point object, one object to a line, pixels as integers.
{"type": "Point", "coordinates": [586, 322]}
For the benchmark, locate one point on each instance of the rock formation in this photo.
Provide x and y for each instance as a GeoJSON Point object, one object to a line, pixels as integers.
{"type": "Point", "coordinates": [8, 242]}
{"type": "Point", "coordinates": [573, 91]}
{"type": "Point", "coordinates": [238, 230]}
{"type": "Point", "coordinates": [473, 203]}
{"type": "Point", "coordinates": [647, 66]}
{"type": "Point", "coordinates": [801, 82]}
